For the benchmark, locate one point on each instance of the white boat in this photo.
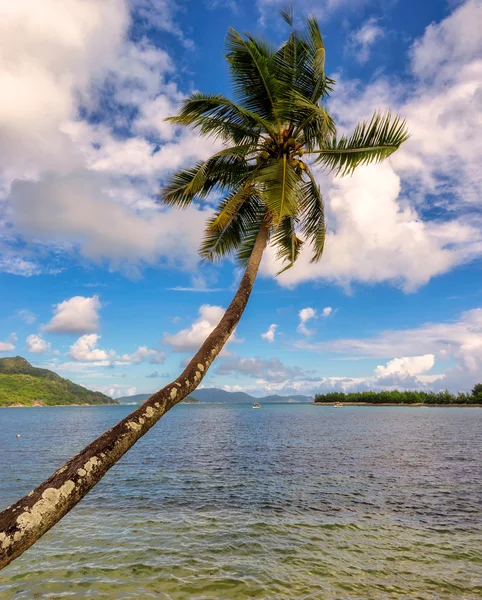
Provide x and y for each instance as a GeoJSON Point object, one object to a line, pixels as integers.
{"type": "Point", "coordinates": [338, 405]}
{"type": "Point", "coordinates": [256, 405]}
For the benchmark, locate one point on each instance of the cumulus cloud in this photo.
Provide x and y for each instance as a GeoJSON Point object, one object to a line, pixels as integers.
{"type": "Point", "coordinates": [9, 345]}
{"type": "Point", "coordinates": [117, 390]}
{"type": "Point", "coordinates": [362, 40]}
{"type": "Point", "coordinates": [305, 315]}
{"type": "Point", "coordinates": [56, 60]}
{"type": "Point", "coordinates": [143, 354]}
{"type": "Point", "coordinates": [50, 51]}
{"type": "Point", "coordinates": [270, 334]}
{"type": "Point", "coordinates": [36, 344]}
{"type": "Point", "coordinates": [85, 350]}
{"type": "Point", "coordinates": [76, 315]}
{"type": "Point", "coordinates": [409, 365]}
{"type": "Point", "coordinates": [265, 370]}
{"type": "Point", "coordinates": [75, 210]}
{"type": "Point", "coordinates": [442, 47]}
{"type": "Point", "coordinates": [191, 338]}
{"type": "Point", "coordinates": [327, 311]}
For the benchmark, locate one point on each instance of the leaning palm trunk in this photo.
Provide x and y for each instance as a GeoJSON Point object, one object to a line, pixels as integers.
{"type": "Point", "coordinates": [23, 523]}
{"type": "Point", "coordinates": [266, 188]}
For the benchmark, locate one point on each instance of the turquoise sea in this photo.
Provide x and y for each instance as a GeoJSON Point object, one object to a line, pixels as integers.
{"type": "Point", "coordinates": [288, 502]}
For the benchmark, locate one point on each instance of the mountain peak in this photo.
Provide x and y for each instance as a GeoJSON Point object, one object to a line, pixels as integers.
{"type": "Point", "coordinates": [14, 364]}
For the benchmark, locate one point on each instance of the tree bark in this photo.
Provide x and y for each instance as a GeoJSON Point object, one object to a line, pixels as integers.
{"type": "Point", "coordinates": [24, 522]}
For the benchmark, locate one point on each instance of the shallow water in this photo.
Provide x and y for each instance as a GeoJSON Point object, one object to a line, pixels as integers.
{"type": "Point", "coordinates": [286, 502]}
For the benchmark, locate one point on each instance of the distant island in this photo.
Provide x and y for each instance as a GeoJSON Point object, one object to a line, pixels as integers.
{"type": "Point", "coordinates": [218, 396]}
{"type": "Point", "coordinates": [408, 397]}
{"type": "Point", "coordinates": [21, 384]}
{"type": "Point", "coordinates": [140, 398]}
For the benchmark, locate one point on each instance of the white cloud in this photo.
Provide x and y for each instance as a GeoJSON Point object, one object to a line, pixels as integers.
{"type": "Point", "coordinates": [233, 388]}
{"type": "Point", "coordinates": [50, 51]}
{"type": "Point", "coordinates": [142, 354]}
{"type": "Point", "coordinates": [76, 315]}
{"type": "Point", "coordinates": [85, 350]}
{"type": "Point", "coordinates": [408, 365]}
{"type": "Point", "coordinates": [459, 341]}
{"type": "Point", "coordinates": [362, 40]}
{"type": "Point", "coordinates": [447, 44]}
{"type": "Point", "coordinates": [76, 210]}
{"type": "Point", "coordinates": [26, 315]}
{"type": "Point", "coordinates": [96, 188]}
{"type": "Point", "coordinates": [17, 265]}
{"type": "Point", "coordinates": [191, 338]}
{"type": "Point", "coordinates": [36, 344]}
{"type": "Point", "coordinates": [270, 334]}
{"type": "Point", "coordinates": [441, 339]}
{"type": "Point", "coordinates": [117, 390]}
{"type": "Point", "coordinates": [305, 315]}
{"type": "Point", "coordinates": [327, 311]}
{"type": "Point", "coordinates": [264, 369]}
{"type": "Point", "coordinates": [9, 345]}
{"type": "Point", "coordinates": [159, 14]}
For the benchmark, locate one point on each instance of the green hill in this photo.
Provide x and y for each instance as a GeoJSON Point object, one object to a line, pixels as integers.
{"type": "Point", "coordinates": [24, 385]}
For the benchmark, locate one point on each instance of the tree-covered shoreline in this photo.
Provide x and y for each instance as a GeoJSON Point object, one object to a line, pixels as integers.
{"type": "Point", "coordinates": [403, 397]}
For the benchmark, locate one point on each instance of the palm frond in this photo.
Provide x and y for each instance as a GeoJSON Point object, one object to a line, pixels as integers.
{"type": "Point", "coordinates": [300, 64]}
{"type": "Point", "coordinates": [318, 53]}
{"type": "Point", "coordinates": [307, 118]}
{"type": "Point", "coordinates": [286, 13]}
{"type": "Point", "coordinates": [277, 184]}
{"type": "Point", "coordinates": [312, 216]}
{"type": "Point", "coordinates": [254, 83]}
{"type": "Point", "coordinates": [218, 242]}
{"type": "Point", "coordinates": [371, 142]}
{"type": "Point", "coordinates": [219, 171]}
{"type": "Point", "coordinates": [287, 243]}
{"type": "Point", "coordinates": [248, 241]}
{"type": "Point", "coordinates": [231, 206]}
{"type": "Point", "coordinates": [215, 115]}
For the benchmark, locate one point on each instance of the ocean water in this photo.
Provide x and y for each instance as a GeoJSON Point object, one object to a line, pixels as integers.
{"type": "Point", "coordinates": [287, 502]}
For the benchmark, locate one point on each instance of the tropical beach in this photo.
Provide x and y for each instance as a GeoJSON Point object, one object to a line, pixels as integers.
{"type": "Point", "coordinates": [240, 309]}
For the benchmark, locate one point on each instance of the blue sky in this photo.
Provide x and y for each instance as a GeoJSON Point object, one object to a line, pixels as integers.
{"type": "Point", "coordinates": [100, 285]}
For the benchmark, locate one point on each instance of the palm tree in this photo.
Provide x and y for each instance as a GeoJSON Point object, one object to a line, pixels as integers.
{"type": "Point", "coordinates": [275, 131]}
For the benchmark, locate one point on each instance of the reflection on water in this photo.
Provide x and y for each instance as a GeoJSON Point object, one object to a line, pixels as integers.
{"type": "Point", "coordinates": [287, 502]}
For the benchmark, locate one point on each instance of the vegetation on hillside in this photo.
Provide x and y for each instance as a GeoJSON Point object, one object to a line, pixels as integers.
{"type": "Point", "coordinates": [25, 385]}
{"type": "Point", "coordinates": [404, 397]}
